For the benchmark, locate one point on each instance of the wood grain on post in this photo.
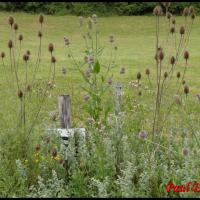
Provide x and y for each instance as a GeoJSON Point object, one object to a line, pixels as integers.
{"type": "Point", "coordinates": [64, 111]}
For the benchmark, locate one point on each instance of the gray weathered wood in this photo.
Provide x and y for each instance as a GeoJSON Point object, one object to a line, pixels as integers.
{"type": "Point", "coordinates": [64, 111]}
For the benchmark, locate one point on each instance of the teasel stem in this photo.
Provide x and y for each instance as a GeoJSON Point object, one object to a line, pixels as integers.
{"type": "Point", "coordinates": [25, 88]}
{"type": "Point", "coordinates": [15, 70]}
{"type": "Point", "coordinates": [20, 48]}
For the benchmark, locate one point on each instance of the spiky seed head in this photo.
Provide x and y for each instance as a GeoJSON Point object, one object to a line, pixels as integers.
{"type": "Point", "coordinates": [41, 19]}
{"type": "Point", "coordinates": [40, 34]}
{"type": "Point", "coordinates": [11, 20]}
{"type": "Point", "coordinates": [166, 4]}
{"type": "Point", "coordinates": [54, 153]}
{"type": "Point", "coordinates": [86, 97]}
{"type": "Point", "coordinates": [183, 82]}
{"type": "Point", "coordinates": [67, 41]}
{"type": "Point", "coordinates": [173, 21]}
{"type": "Point", "coordinates": [165, 75]}
{"type": "Point", "coordinates": [139, 93]}
{"type": "Point", "coordinates": [186, 90]}
{"type": "Point", "coordinates": [20, 38]}
{"type": "Point", "coordinates": [10, 44]}
{"type": "Point", "coordinates": [178, 75]}
{"type": "Point", "coordinates": [191, 10]}
{"type": "Point", "coordinates": [37, 148]}
{"type": "Point", "coordinates": [186, 55]}
{"type": "Point", "coordinates": [139, 76]}
{"type": "Point", "coordinates": [20, 94]}
{"type": "Point", "coordinates": [169, 15]}
{"type": "Point", "coordinates": [186, 11]}
{"type": "Point", "coordinates": [15, 26]}
{"type": "Point", "coordinates": [182, 30]}
{"type": "Point", "coordinates": [94, 17]}
{"type": "Point", "coordinates": [3, 55]}
{"type": "Point", "coordinates": [172, 30]}
{"type": "Point", "coordinates": [53, 59]}
{"type": "Point", "coordinates": [193, 15]}
{"type": "Point", "coordinates": [28, 52]}
{"type": "Point", "coordinates": [161, 55]}
{"type": "Point", "coordinates": [157, 11]}
{"type": "Point", "coordinates": [111, 39]}
{"type": "Point", "coordinates": [25, 57]}
{"type": "Point", "coordinates": [172, 60]}
{"type": "Point", "coordinates": [142, 134]}
{"type": "Point", "coordinates": [122, 71]}
{"type": "Point", "coordinates": [50, 47]}
{"type": "Point", "coordinates": [185, 151]}
{"type": "Point", "coordinates": [147, 72]}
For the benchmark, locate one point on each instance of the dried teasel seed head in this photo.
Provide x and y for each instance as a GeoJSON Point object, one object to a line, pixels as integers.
{"type": "Point", "coordinates": [186, 89]}
{"type": "Point", "coordinates": [25, 57]}
{"type": "Point", "coordinates": [28, 52]}
{"type": "Point", "coordinates": [191, 10]}
{"type": "Point", "coordinates": [15, 26]}
{"type": "Point", "coordinates": [161, 55]}
{"type": "Point", "coordinates": [86, 97]}
{"type": "Point", "coordinates": [3, 55]}
{"type": "Point", "coordinates": [20, 38]}
{"type": "Point", "coordinates": [182, 30]}
{"type": "Point", "coordinates": [53, 59]}
{"type": "Point", "coordinates": [186, 11]}
{"type": "Point", "coordinates": [20, 94]}
{"type": "Point", "coordinates": [142, 134]}
{"type": "Point", "coordinates": [166, 4]}
{"type": "Point", "coordinates": [139, 76]}
{"type": "Point", "coordinates": [183, 82]}
{"type": "Point", "coordinates": [41, 19]}
{"type": "Point", "coordinates": [37, 148]}
{"type": "Point", "coordinates": [10, 44]}
{"type": "Point", "coordinates": [122, 71]}
{"type": "Point", "coordinates": [67, 41]}
{"type": "Point", "coordinates": [165, 75]}
{"type": "Point", "coordinates": [173, 21]}
{"type": "Point", "coordinates": [178, 75]}
{"type": "Point", "coordinates": [193, 15]}
{"type": "Point", "coordinates": [172, 30]}
{"type": "Point", "coordinates": [51, 47]}
{"type": "Point", "coordinates": [157, 11]}
{"type": "Point", "coordinates": [169, 15]}
{"type": "Point", "coordinates": [54, 153]}
{"type": "Point", "coordinates": [11, 20]}
{"type": "Point", "coordinates": [186, 55]}
{"type": "Point", "coordinates": [172, 60]}
{"type": "Point", "coordinates": [185, 151]}
{"type": "Point", "coordinates": [94, 17]}
{"type": "Point", "coordinates": [40, 34]}
{"type": "Point", "coordinates": [139, 93]}
{"type": "Point", "coordinates": [147, 72]}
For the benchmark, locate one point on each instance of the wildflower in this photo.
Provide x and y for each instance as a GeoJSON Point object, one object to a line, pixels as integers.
{"type": "Point", "coordinates": [182, 30]}
{"type": "Point", "coordinates": [94, 17]}
{"type": "Point", "coordinates": [91, 60]}
{"type": "Point", "coordinates": [51, 47]}
{"type": "Point", "coordinates": [25, 57]}
{"type": "Point", "coordinates": [186, 90]}
{"type": "Point", "coordinates": [191, 10]}
{"type": "Point", "coordinates": [10, 44]}
{"type": "Point", "coordinates": [110, 80]}
{"type": "Point", "coordinates": [169, 15]}
{"type": "Point", "coordinates": [186, 11]}
{"type": "Point", "coordinates": [157, 11]}
{"type": "Point", "coordinates": [172, 30]}
{"type": "Point", "coordinates": [67, 41]}
{"type": "Point", "coordinates": [122, 71]}
{"type": "Point", "coordinates": [11, 20]}
{"type": "Point", "coordinates": [28, 52]}
{"type": "Point", "coordinates": [41, 19]}
{"type": "Point", "coordinates": [54, 153]}
{"type": "Point", "coordinates": [193, 16]}
{"type": "Point", "coordinates": [185, 151]}
{"type": "Point", "coordinates": [139, 93]}
{"type": "Point", "coordinates": [142, 134]}
{"type": "Point", "coordinates": [173, 21]}
{"type": "Point", "coordinates": [37, 148]}
{"type": "Point", "coordinates": [183, 82]}
{"type": "Point", "coordinates": [28, 88]}
{"type": "Point", "coordinates": [57, 158]}
{"type": "Point", "coordinates": [3, 55]}
{"type": "Point", "coordinates": [161, 55]}
{"type": "Point", "coordinates": [20, 38]}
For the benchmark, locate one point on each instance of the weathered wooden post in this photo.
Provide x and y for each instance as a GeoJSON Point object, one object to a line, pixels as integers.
{"type": "Point", "coordinates": [64, 111]}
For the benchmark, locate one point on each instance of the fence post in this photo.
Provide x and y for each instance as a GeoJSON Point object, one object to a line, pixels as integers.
{"type": "Point", "coordinates": [64, 111]}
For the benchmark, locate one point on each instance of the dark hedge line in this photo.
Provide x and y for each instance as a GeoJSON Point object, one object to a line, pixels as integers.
{"type": "Point", "coordinates": [87, 8]}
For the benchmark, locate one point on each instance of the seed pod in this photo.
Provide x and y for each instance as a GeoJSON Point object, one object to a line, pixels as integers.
{"type": "Point", "coordinates": [20, 94]}
{"type": "Point", "coordinates": [173, 21]}
{"type": "Point", "coordinates": [41, 19]}
{"type": "Point", "coordinates": [183, 82]}
{"type": "Point", "coordinates": [178, 75]}
{"type": "Point", "coordinates": [25, 57]}
{"type": "Point", "coordinates": [186, 55]}
{"type": "Point", "coordinates": [169, 15]}
{"type": "Point", "coordinates": [172, 30]}
{"type": "Point", "coordinates": [165, 75]}
{"type": "Point", "coordinates": [10, 44]}
{"type": "Point", "coordinates": [15, 27]}
{"type": "Point", "coordinates": [67, 41]}
{"type": "Point", "coordinates": [191, 10]}
{"type": "Point", "coordinates": [186, 11]}
{"type": "Point", "coordinates": [139, 76]}
{"type": "Point", "coordinates": [193, 16]}
{"type": "Point", "coordinates": [3, 55]}
{"type": "Point", "coordinates": [157, 11]}
{"type": "Point", "coordinates": [142, 135]}
{"type": "Point", "coordinates": [186, 90]}
{"type": "Point", "coordinates": [147, 72]}
{"type": "Point", "coordinates": [11, 20]}
{"type": "Point", "coordinates": [161, 55]}
{"type": "Point", "coordinates": [53, 59]}
{"type": "Point", "coordinates": [20, 38]}
{"type": "Point", "coordinates": [172, 60]}
{"type": "Point", "coordinates": [28, 52]}
{"type": "Point", "coordinates": [182, 30]}
{"type": "Point", "coordinates": [51, 47]}
{"type": "Point", "coordinates": [40, 34]}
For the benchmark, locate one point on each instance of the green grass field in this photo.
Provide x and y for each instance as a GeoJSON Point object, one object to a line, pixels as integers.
{"type": "Point", "coordinates": [135, 39]}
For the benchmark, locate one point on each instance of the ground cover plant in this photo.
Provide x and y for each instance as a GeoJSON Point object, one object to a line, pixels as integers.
{"type": "Point", "coordinates": [138, 138]}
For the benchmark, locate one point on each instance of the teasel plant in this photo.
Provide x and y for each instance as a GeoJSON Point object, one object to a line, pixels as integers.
{"type": "Point", "coordinates": [96, 75]}
{"type": "Point", "coordinates": [167, 56]}
{"type": "Point", "coordinates": [22, 67]}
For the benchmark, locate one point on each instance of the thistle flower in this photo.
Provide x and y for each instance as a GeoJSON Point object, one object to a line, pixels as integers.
{"type": "Point", "coordinates": [51, 47]}
{"type": "Point", "coordinates": [172, 60]}
{"type": "Point", "coordinates": [20, 38]}
{"type": "Point", "coordinates": [110, 80]}
{"type": "Point", "coordinates": [80, 20]}
{"type": "Point", "coordinates": [185, 151]}
{"type": "Point", "coordinates": [147, 72]}
{"type": "Point", "coordinates": [67, 41]}
{"type": "Point", "coordinates": [111, 38]}
{"type": "Point", "coordinates": [142, 134]}
{"type": "Point", "coordinates": [3, 55]}
{"type": "Point", "coordinates": [10, 44]}
{"type": "Point", "coordinates": [41, 19]}
{"type": "Point", "coordinates": [178, 75]}
{"type": "Point", "coordinates": [139, 76]}
{"type": "Point", "coordinates": [11, 21]}
{"type": "Point", "coordinates": [15, 26]}
{"type": "Point", "coordinates": [186, 11]}
{"type": "Point", "coordinates": [165, 75]}
{"type": "Point", "coordinates": [157, 11]}
{"type": "Point", "coordinates": [53, 59]}
{"type": "Point", "coordinates": [20, 94]}
{"type": "Point", "coordinates": [40, 34]}
{"type": "Point", "coordinates": [122, 71]}
{"type": "Point", "coordinates": [186, 90]}
{"type": "Point", "coordinates": [182, 30]}
{"type": "Point", "coordinates": [186, 55]}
